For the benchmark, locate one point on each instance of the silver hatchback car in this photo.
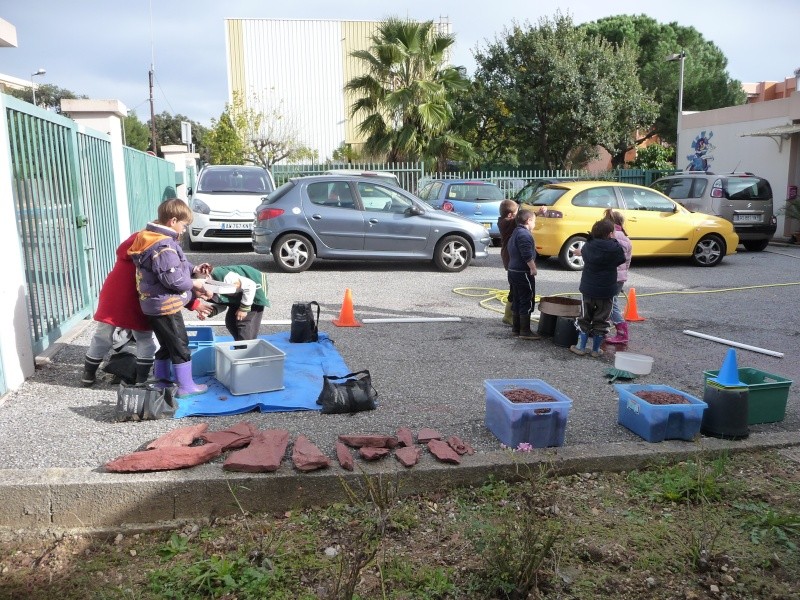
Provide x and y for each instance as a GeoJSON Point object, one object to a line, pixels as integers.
{"type": "Point", "coordinates": [359, 218]}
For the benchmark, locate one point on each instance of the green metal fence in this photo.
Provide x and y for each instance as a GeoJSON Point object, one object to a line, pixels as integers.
{"type": "Point", "coordinates": [149, 181]}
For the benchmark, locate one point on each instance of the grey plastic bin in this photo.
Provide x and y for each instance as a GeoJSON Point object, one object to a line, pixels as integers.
{"type": "Point", "coordinates": [249, 366]}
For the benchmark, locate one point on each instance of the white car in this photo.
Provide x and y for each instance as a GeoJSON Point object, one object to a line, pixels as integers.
{"type": "Point", "coordinates": [224, 201]}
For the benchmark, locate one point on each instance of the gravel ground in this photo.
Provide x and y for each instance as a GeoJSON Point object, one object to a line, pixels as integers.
{"type": "Point", "coordinates": [432, 374]}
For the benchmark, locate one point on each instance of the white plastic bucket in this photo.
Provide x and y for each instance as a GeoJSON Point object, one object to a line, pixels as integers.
{"type": "Point", "coordinates": [638, 364]}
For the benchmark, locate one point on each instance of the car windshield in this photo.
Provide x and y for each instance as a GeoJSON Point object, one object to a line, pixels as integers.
{"type": "Point", "coordinates": [546, 196]}
{"type": "Point", "coordinates": [234, 181]}
{"type": "Point", "coordinates": [472, 192]}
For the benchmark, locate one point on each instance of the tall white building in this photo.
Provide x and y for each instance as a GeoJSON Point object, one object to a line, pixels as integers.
{"type": "Point", "coordinates": [299, 68]}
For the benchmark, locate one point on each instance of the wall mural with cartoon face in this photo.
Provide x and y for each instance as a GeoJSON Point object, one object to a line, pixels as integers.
{"type": "Point", "coordinates": [702, 146]}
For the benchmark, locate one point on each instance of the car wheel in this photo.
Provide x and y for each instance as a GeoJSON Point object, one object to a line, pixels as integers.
{"type": "Point", "coordinates": [755, 245]}
{"type": "Point", "coordinates": [567, 257]}
{"type": "Point", "coordinates": [709, 251]}
{"type": "Point", "coordinates": [453, 254]}
{"type": "Point", "coordinates": [293, 253]}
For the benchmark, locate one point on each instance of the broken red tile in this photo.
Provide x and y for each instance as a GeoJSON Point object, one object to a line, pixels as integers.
{"type": "Point", "coordinates": [407, 455]}
{"type": "Point", "coordinates": [167, 458]}
{"type": "Point", "coordinates": [372, 441]}
{"type": "Point", "coordinates": [231, 438]}
{"type": "Point", "coordinates": [307, 457]}
{"type": "Point", "coordinates": [442, 451]}
{"type": "Point", "coordinates": [344, 456]}
{"type": "Point", "coordinates": [426, 434]}
{"type": "Point", "coordinates": [405, 437]}
{"type": "Point", "coordinates": [183, 436]}
{"type": "Point", "coordinates": [460, 446]}
{"type": "Point", "coordinates": [369, 453]}
{"type": "Point", "coordinates": [263, 455]}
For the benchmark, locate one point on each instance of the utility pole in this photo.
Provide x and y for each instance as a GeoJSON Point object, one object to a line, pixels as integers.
{"type": "Point", "coordinates": [152, 115]}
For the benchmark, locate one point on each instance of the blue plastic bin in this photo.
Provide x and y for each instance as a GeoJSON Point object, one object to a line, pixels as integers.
{"type": "Point", "coordinates": [200, 336]}
{"type": "Point", "coordinates": [659, 422]}
{"type": "Point", "coordinates": [540, 424]}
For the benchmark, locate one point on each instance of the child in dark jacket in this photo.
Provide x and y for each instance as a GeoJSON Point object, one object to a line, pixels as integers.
{"type": "Point", "coordinates": [165, 284]}
{"type": "Point", "coordinates": [506, 224]}
{"type": "Point", "coordinates": [522, 275]}
{"type": "Point", "coordinates": [601, 255]}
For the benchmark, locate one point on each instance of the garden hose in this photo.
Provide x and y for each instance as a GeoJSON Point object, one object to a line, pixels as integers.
{"type": "Point", "coordinates": [490, 295]}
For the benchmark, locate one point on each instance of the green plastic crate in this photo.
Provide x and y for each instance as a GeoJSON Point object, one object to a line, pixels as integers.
{"type": "Point", "coordinates": [767, 396]}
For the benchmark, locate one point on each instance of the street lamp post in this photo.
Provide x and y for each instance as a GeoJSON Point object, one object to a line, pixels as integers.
{"type": "Point", "coordinates": [681, 56]}
{"type": "Point", "coordinates": [33, 85]}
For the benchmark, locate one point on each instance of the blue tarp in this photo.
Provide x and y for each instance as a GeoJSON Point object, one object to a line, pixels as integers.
{"type": "Point", "coordinates": [304, 366]}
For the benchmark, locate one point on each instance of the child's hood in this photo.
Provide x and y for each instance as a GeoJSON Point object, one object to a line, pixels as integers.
{"type": "Point", "coordinates": [148, 237]}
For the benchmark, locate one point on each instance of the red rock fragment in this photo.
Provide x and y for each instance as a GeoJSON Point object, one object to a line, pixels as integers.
{"type": "Point", "coordinates": [344, 456]}
{"type": "Point", "coordinates": [183, 436]}
{"type": "Point", "coordinates": [405, 437]}
{"type": "Point", "coordinates": [369, 453]}
{"type": "Point", "coordinates": [442, 451]}
{"type": "Point", "coordinates": [426, 434]}
{"type": "Point", "coordinates": [460, 446]}
{"type": "Point", "coordinates": [373, 441]}
{"type": "Point", "coordinates": [231, 438]}
{"type": "Point", "coordinates": [307, 457]}
{"type": "Point", "coordinates": [164, 459]}
{"type": "Point", "coordinates": [407, 455]}
{"type": "Point", "coordinates": [263, 455]}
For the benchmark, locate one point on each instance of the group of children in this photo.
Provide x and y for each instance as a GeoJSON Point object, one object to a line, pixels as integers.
{"type": "Point", "coordinates": [606, 259]}
{"type": "Point", "coordinates": [151, 283]}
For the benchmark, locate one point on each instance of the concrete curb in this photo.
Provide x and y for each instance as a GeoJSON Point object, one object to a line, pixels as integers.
{"type": "Point", "coordinates": [57, 500]}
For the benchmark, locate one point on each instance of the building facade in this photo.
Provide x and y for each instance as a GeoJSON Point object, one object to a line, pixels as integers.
{"type": "Point", "coordinates": [298, 69]}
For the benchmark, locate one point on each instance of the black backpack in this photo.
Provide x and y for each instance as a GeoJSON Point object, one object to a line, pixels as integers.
{"type": "Point", "coordinates": [304, 325]}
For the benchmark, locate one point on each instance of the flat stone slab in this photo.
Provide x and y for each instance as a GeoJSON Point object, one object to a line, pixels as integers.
{"type": "Point", "coordinates": [307, 457]}
{"type": "Point", "coordinates": [183, 436]}
{"type": "Point", "coordinates": [164, 459]}
{"type": "Point", "coordinates": [263, 455]}
{"type": "Point", "coordinates": [237, 436]}
{"type": "Point", "coordinates": [373, 441]}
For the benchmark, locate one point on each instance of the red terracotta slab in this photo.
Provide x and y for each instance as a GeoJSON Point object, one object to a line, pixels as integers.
{"type": "Point", "coordinates": [164, 459]}
{"type": "Point", "coordinates": [307, 457]}
{"type": "Point", "coordinates": [263, 455]}
{"type": "Point", "coordinates": [345, 457]}
{"type": "Point", "coordinates": [237, 436]}
{"type": "Point", "coordinates": [405, 437]}
{"type": "Point", "coordinates": [407, 455]}
{"type": "Point", "coordinates": [373, 441]}
{"type": "Point", "coordinates": [426, 434]}
{"type": "Point", "coordinates": [442, 451]}
{"type": "Point", "coordinates": [368, 453]}
{"type": "Point", "coordinates": [460, 446]}
{"type": "Point", "coordinates": [183, 436]}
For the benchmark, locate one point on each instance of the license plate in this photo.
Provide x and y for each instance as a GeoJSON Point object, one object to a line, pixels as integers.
{"type": "Point", "coordinates": [747, 218]}
{"type": "Point", "coordinates": [248, 225]}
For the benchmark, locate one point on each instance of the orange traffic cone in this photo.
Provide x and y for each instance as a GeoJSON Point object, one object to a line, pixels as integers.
{"type": "Point", "coordinates": [631, 313]}
{"type": "Point", "coordinates": [346, 316]}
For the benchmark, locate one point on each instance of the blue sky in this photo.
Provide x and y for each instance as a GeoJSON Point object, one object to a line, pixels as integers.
{"type": "Point", "coordinates": [104, 48]}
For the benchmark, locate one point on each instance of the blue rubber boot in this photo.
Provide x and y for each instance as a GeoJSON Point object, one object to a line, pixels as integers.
{"type": "Point", "coordinates": [580, 347]}
{"type": "Point", "coordinates": [186, 385]}
{"type": "Point", "coordinates": [596, 341]}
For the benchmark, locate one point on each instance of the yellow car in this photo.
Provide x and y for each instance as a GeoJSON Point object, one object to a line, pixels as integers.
{"type": "Point", "coordinates": [656, 225]}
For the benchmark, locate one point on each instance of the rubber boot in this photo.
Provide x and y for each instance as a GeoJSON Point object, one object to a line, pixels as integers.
{"type": "Point", "coordinates": [186, 385]}
{"type": "Point", "coordinates": [508, 316]}
{"type": "Point", "coordinates": [515, 324]}
{"type": "Point", "coordinates": [621, 336]}
{"type": "Point", "coordinates": [90, 366]}
{"type": "Point", "coordinates": [596, 341]}
{"type": "Point", "coordinates": [143, 370]}
{"type": "Point", "coordinates": [580, 347]}
{"type": "Point", "coordinates": [525, 332]}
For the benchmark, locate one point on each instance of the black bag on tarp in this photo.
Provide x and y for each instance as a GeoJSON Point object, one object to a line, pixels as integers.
{"type": "Point", "coordinates": [145, 402]}
{"type": "Point", "coordinates": [347, 393]}
{"type": "Point", "coordinates": [304, 325]}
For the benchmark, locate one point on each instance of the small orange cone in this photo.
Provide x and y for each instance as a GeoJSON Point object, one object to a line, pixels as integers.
{"type": "Point", "coordinates": [631, 313]}
{"type": "Point", "coordinates": [346, 316]}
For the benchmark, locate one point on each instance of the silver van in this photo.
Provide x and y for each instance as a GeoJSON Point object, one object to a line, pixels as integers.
{"type": "Point", "coordinates": [743, 199]}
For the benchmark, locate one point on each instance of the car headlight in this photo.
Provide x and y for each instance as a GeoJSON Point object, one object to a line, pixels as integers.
{"type": "Point", "coordinates": [200, 207]}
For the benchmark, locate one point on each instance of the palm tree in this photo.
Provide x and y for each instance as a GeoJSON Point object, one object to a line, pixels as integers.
{"type": "Point", "coordinates": [404, 96]}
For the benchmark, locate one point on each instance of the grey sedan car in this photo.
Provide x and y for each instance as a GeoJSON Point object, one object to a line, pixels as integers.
{"type": "Point", "coordinates": [359, 218]}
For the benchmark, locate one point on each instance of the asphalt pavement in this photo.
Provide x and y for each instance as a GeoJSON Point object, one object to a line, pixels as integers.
{"type": "Point", "coordinates": [56, 435]}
